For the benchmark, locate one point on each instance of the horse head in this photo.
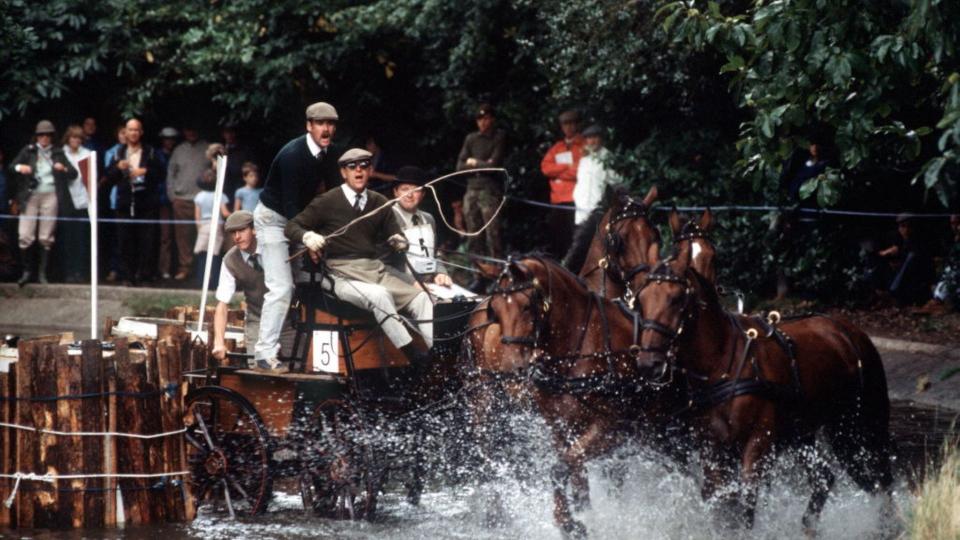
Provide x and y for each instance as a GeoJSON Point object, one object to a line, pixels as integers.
{"type": "Point", "coordinates": [631, 244]}
{"type": "Point", "coordinates": [520, 303]}
{"type": "Point", "coordinates": [667, 300]}
{"type": "Point", "coordinates": [692, 235]}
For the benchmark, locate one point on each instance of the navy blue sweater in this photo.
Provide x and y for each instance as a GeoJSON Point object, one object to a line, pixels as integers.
{"type": "Point", "coordinates": [296, 176]}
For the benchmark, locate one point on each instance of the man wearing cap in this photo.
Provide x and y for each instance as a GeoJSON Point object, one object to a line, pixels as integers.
{"type": "Point", "coordinates": [301, 169]}
{"type": "Point", "coordinates": [38, 168]}
{"type": "Point", "coordinates": [559, 165]}
{"type": "Point", "coordinates": [187, 163]}
{"type": "Point", "coordinates": [482, 149]}
{"type": "Point", "coordinates": [241, 269]}
{"type": "Point", "coordinates": [419, 227]}
{"type": "Point", "coordinates": [358, 276]}
{"type": "Point", "coordinates": [593, 175]}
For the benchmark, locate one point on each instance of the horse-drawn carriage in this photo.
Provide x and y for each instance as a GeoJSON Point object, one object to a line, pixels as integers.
{"type": "Point", "coordinates": [348, 416]}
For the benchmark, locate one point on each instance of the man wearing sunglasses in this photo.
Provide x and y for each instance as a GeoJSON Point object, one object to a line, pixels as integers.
{"type": "Point", "coordinates": [303, 168]}
{"type": "Point", "coordinates": [359, 276]}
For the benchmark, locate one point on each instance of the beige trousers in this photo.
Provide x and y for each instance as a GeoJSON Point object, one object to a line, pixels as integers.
{"type": "Point", "coordinates": [30, 229]}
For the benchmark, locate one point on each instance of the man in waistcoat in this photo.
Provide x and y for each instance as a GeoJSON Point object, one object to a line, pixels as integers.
{"type": "Point", "coordinates": [241, 270]}
{"type": "Point", "coordinates": [303, 168]}
{"type": "Point", "coordinates": [419, 227]}
{"type": "Point", "coordinates": [359, 277]}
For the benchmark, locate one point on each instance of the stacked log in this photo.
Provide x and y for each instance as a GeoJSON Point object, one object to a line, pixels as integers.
{"type": "Point", "coordinates": [75, 481]}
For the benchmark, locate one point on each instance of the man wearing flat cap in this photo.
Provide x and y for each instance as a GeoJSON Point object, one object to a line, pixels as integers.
{"type": "Point", "coordinates": [37, 170]}
{"type": "Point", "coordinates": [359, 276]}
{"type": "Point", "coordinates": [241, 270]}
{"type": "Point", "coordinates": [419, 227]}
{"type": "Point", "coordinates": [301, 169]}
{"type": "Point", "coordinates": [481, 149]}
{"type": "Point", "coordinates": [593, 174]}
{"type": "Point", "coordinates": [559, 165]}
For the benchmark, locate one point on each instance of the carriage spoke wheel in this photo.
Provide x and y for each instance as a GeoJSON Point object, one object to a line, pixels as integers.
{"type": "Point", "coordinates": [342, 481]}
{"type": "Point", "coordinates": [227, 452]}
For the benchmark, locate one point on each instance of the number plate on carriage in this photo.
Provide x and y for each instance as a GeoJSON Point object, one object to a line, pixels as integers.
{"type": "Point", "coordinates": [326, 351]}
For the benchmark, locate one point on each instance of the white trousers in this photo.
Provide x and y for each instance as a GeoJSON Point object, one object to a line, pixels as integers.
{"type": "Point", "coordinates": [378, 300]}
{"type": "Point", "coordinates": [274, 249]}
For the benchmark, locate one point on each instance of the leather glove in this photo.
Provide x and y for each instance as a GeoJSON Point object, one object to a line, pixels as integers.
{"type": "Point", "coordinates": [314, 241]}
{"type": "Point", "coordinates": [398, 242]}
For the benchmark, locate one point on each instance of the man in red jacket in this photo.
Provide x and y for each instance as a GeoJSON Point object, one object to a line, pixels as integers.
{"type": "Point", "coordinates": [560, 168]}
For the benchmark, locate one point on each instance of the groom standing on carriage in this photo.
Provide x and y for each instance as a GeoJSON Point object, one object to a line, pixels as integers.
{"type": "Point", "coordinates": [351, 249]}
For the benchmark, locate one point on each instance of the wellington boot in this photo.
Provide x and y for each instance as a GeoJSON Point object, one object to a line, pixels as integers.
{"type": "Point", "coordinates": [24, 279]}
{"type": "Point", "coordinates": [27, 260]}
{"type": "Point", "coordinates": [42, 270]}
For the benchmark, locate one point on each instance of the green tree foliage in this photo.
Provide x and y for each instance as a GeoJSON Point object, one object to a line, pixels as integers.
{"type": "Point", "coordinates": [882, 76]}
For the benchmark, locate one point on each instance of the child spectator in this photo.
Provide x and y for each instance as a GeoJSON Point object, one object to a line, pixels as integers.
{"type": "Point", "coordinates": [247, 197]}
{"type": "Point", "coordinates": [204, 207]}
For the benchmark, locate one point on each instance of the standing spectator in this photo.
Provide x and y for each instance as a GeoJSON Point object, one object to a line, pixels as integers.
{"type": "Point", "coordinates": [186, 165]}
{"type": "Point", "coordinates": [137, 172]}
{"type": "Point", "coordinates": [904, 269]}
{"type": "Point", "coordinates": [204, 207]}
{"type": "Point", "coordinates": [237, 154]}
{"type": "Point", "coordinates": [92, 142]}
{"type": "Point", "coordinates": [8, 261]}
{"type": "Point", "coordinates": [946, 293]}
{"type": "Point", "coordinates": [481, 149]}
{"type": "Point", "coordinates": [305, 166]}
{"type": "Point", "coordinates": [73, 203]}
{"type": "Point", "coordinates": [168, 141]}
{"type": "Point", "coordinates": [593, 176]}
{"type": "Point", "coordinates": [39, 167]}
{"type": "Point", "coordinates": [247, 197]}
{"type": "Point", "coordinates": [107, 206]}
{"type": "Point", "coordinates": [559, 165]}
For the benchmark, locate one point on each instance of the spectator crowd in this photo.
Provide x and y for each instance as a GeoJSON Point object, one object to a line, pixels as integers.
{"type": "Point", "coordinates": [157, 185]}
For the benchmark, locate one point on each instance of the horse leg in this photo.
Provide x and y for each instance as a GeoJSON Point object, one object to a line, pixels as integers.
{"type": "Point", "coordinates": [821, 479]}
{"type": "Point", "coordinates": [752, 464]}
{"type": "Point", "coordinates": [570, 527]}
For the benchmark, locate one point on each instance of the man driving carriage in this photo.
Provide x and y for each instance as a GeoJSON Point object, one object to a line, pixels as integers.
{"type": "Point", "coordinates": [357, 275]}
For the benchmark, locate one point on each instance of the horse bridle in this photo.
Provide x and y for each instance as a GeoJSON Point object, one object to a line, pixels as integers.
{"type": "Point", "coordinates": [664, 274]}
{"type": "Point", "coordinates": [539, 305]}
{"type": "Point", "coordinates": [613, 245]}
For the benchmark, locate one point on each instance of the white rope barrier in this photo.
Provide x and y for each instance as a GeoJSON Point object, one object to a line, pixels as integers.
{"type": "Point", "coordinates": [53, 478]}
{"type": "Point", "coordinates": [93, 433]}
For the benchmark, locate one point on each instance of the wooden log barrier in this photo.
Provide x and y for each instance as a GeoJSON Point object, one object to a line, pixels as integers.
{"type": "Point", "coordinates": [67, 457]}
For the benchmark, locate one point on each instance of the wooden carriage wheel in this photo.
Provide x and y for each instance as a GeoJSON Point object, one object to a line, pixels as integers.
{"type": "Point", "coordinates": [342, 479]}
{"type": "Point", "coordinates": [227, 452]}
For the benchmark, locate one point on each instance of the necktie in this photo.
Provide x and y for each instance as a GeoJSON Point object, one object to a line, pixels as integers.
{"type": "Point", "coordinates": [356, 204]}
{"type": "Point", "coordinates": [255, 262]}
{"type": "Point", "coordinates": [416, 220]}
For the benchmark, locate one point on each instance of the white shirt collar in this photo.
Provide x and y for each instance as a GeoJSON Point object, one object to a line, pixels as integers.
{"type": "Point", "coordinates": [313, 146]}
{"type": "Point", "coordinates": [351, 195]}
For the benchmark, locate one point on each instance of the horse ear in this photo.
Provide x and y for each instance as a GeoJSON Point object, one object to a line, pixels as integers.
{"type": "Point", "coordinates": [488, 270]}
{"type": "Point", "coordinates": [706, 220]}
{"type": "Point", "coordinates": [650, 197]}
{"type": "Point", "coordinates": [674, 221]}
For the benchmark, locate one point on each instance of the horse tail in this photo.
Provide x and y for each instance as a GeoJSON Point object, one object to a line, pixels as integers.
{"type": "Point", "coordinates": [861, 435]}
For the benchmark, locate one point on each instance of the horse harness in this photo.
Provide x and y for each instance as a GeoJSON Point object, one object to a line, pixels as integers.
{"type": "Point", "coordinates": [603, 382]}
{"type": "Point", "coordinates": [613, 244]}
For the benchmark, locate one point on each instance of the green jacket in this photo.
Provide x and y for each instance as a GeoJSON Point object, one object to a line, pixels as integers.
{"type": "Point", "coordinates": [24, 184]}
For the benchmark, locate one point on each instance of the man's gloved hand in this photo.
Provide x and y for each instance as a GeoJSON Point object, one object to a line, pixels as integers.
{"type": "Point", "coordinates": [398, 242]}
{"type": "Point", "coordinates": [314, 241]}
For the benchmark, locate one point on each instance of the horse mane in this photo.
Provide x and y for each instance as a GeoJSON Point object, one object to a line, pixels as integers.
{"type": "Point", "coordinates": [576, 255]}
{"type": "Point", "coordinates": [547, 260]}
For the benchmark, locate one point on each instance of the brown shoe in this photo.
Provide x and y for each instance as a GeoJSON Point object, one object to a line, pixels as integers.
{"type": "Point", "coordinates": [181, 275]}
{"type": "Point", "coordinates": [271, 367]}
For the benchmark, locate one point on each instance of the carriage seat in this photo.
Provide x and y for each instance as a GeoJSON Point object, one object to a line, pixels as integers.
{"type": "Point", "coordinates": [313, 297]}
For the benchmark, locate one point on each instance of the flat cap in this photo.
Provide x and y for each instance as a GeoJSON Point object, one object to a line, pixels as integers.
{"type": "Point", "coordinates": [485, 109]}
{"type": "Point", "coordinates": [169, 133]}
{"type": "Point", "coordinates": [44, 126]}
{"type": "Point", "coordinates": [411, 175]}
{"type": "Point", "coordinates": [570, 116]}
{"type": "Point", "coordinates": [354, 154]}
{"type": "Point", "coordinates": [593, 131]}
{"type": "Point", "coordinates": [238, 220]}
{"type": "Point", "coordinates": [322, 111]}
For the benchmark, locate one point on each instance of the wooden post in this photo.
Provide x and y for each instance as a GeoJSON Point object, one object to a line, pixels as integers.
{"type": "Point", "coordinates": [44, 384]}
{"type": "Point", "coordinates": [90, 365]}
{"type": "Point", "coordinates": [70, 510]}
{"type": "Point", "coordinates": [26, 447]}
{"type": "Point", "coordinates": [110, 509]}
{"type": "Point", "coordinates": [151, 410]}
{"type": "Point", "coordinates": [8, 388]}
{"type": "Point", "coordinates": [131, 457]}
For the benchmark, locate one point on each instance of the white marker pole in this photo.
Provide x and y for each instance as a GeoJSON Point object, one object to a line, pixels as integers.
{"type": "Point", "coordinates": [92, 212]}
{"type": "Point", "coordinates": [214, 220]}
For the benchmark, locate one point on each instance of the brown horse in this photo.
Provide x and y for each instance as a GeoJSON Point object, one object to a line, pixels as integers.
{"type": "Point", "coordinates": [623, 244]}
{"type": "Point", "coordinates": [576, 351]}
{"type": "Point", "coordinates": [754, 387]}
